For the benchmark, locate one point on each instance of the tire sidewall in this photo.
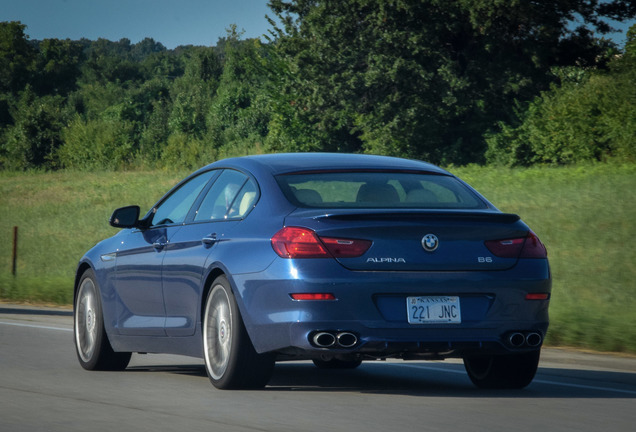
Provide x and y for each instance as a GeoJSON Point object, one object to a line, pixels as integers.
{"type": "Point", "coordinates": [92, 362]}
{"type": "Point", "coordinates": [235, 326]}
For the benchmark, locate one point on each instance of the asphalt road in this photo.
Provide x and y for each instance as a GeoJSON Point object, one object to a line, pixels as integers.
{"type": "Point", "coordinates": [43, 388]}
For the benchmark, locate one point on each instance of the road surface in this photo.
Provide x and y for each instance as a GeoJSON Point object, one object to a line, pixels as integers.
{"type": "Point", "coordinates": [43, 388]}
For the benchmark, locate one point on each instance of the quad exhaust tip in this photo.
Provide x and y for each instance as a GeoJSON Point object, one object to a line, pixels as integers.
{"type": "Point", "coordinates": [346, 339]}
{"type": "Point", "coordinates": [534, 339]}
{"type": "Point", "coordinates": [324, 339]}
{"type": "Point", "coordinates": [531, 339]}
{"type": "Point", "coordinates": [330, 339]}
{"type": "Point", "coordinates": [517, 339]}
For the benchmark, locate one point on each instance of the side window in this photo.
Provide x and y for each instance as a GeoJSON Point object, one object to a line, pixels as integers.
{"type": "Point", "coordinates": [245, 200]}
{"type": "Point", "coordinates": [231, 196]}
{"type": "Point", "coordinates": [174, 209]}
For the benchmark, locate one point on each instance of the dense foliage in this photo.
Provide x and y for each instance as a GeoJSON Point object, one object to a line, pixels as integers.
{"type": "Point", "coordinates": [423, 79]}
{"type": "Point", "coordinates": [445, 81]}
{"type": "Point", "coordinates": [591, 116]}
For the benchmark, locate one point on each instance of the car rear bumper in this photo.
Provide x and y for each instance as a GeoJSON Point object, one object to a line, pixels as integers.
{"type": "Point", "coordinates": [372, 306]}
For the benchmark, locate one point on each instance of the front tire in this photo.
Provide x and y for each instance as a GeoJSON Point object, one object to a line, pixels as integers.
{"type": "Point", "coordinates": [230, 358]}
{"type": "Point", "coordinates": [93, 349]}
{"type": "Point", "coordinates": [511, 371]}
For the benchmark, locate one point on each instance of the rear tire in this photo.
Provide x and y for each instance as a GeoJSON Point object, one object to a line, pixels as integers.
{"type": "Point", "coordinates": [511, 371]}
{"type": "Point", "coordinates": [93, 349]}
{"type": "Point", "coordinates": [230, 358]}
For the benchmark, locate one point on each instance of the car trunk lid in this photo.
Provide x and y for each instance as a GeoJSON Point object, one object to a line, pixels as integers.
{"type": "Point", "coordinates": [416, 240]}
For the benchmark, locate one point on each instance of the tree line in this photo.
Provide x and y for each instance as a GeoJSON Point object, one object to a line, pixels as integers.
{"type": "Point", "coordinates": [450, 82]}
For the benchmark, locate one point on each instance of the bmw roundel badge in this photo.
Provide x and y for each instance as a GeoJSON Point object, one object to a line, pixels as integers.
{"type": "Point", "coordinates": [430, 242]}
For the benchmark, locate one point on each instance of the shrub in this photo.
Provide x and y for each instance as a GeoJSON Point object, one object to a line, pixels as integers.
{"type": "Point", "coordinates": [101, 143]}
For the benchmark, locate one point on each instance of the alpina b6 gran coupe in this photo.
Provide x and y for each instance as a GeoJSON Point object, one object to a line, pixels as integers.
{"type": "Point", "coordinates": [333, 258]}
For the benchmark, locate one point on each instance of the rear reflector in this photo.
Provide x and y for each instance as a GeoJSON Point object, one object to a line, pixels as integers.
{"type": "Point", "coordinates": [313, 296]}
{"type": "Point", "coordinates": [523, 247]}
{"type": "Point", "coordinates": [296, 242]}
{"type": "Point", "coordinates": [537, 296]}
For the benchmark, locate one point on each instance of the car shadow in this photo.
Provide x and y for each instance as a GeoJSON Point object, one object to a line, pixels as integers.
{"type": "Point", "coordinates": [424, 380]}
{"type": "Point", "coordinates": [189, 370]}
{"type": "Point", "coordinates": [449, 381]}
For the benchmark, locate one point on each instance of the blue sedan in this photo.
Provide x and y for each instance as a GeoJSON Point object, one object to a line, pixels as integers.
{"type": "Point", "coordinates": [332, 258]}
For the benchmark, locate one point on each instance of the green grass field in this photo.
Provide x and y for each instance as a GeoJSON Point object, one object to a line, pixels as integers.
{"type": "Point", "coordinates": [584, 215]}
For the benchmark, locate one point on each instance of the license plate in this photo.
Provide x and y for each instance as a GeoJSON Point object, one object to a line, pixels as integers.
{"type": "Point", "coordinates": [433, 310]}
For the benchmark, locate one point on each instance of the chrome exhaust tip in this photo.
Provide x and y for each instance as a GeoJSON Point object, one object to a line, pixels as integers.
{"type": "Point", "coordinates": [324, 339]}
{"type": "Point", "coordinates": [516, 339]}
{"type": "Point", "coordinates": [534, 339]}
{"type": "Point", "coordinates": [346, 339]}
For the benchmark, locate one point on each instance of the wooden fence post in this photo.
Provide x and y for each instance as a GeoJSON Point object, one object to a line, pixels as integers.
{"type": "Point", "coordinates": [15, 251]}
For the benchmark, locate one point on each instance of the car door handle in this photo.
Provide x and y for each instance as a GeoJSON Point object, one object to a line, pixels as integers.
{"type": "Point", "coordinates": [209, 240]}
{"type": "Point", "coordinates": [159, 246]}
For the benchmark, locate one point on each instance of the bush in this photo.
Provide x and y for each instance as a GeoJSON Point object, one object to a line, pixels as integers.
{"type": "Point", "coordinates": [186, 152]}
{"type": "Point", "coordinates": [102, 143]}
{"type": "Point", "coordinates": [591, 116]}
{"type": "Point", "coordinates": [33, 140]}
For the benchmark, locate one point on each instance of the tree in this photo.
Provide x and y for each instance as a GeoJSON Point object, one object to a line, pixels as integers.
{"type": "Point", "coordinates": [57, 66]}
{"type": "Point", "coordinates": [32, 141]}
{"type": "Point", "coordinates": [16, 57]}
{"type": "Point", "coordinates": [111, 62]}
{"type": "Point", "coordinates": [145, 48]}
{"type": "Point", "coordinates": [240, 113]}
{"type": "Point", "coordinates": [423, 79]}
{"type": "Point", "coordinates": [192, 93]}
{"type": "Point", "coordinates": [589, 116]}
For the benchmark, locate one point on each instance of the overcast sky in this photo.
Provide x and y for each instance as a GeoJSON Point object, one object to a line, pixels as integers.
{"type": "Point", "coordinates": [171, 22]}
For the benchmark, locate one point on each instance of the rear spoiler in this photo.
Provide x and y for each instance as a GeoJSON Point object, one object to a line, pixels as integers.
{"type": "Point", "coordinates": [416, 215]}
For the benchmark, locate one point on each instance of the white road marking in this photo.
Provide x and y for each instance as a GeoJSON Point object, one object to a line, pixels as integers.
{"type": "Point", "coordinates": [36, 326]}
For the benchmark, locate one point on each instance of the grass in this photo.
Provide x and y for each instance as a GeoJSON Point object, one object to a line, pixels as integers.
{"type": "Point", "coordinates": [584, 215]}
{"type": "Point", "coordinates": [59, 217]}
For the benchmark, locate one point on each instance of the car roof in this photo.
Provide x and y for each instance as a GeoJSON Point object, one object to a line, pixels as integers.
{"type": "Point", "coordinates": [282, 163]}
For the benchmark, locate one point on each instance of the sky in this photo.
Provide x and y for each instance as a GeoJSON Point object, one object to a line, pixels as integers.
{"type": "Point", "coordinates": [171, 22]}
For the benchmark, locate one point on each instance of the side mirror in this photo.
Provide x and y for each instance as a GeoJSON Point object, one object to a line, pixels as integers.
{"type": "Point", "coordinates": [125, 217]}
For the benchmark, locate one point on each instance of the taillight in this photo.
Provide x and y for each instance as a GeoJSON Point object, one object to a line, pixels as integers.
{"type": "Point", "coordinates": [296, 242]}
{"type": "Point", "coordinates": [508, 248]}
{"type": "Point", "coordinates": [524, 247]}
{"type": "Point", "coordinates": [293, 242]}
{"type": "Point", "coordinates": [533, 248]}
{"type": "Point", "coordinates": [346, 248]}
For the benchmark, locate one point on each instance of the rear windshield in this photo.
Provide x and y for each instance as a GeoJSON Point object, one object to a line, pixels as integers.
{"type": "Point", "coordinates": [377, 190]}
